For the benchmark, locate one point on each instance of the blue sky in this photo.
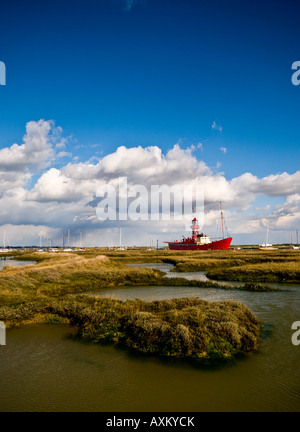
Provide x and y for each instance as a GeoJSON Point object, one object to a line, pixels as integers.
{"type": "Point", "coordinates": [212, 76]}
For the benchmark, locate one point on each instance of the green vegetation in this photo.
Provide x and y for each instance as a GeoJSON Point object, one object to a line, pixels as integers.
{"type": "Point", "coordinates": [182, 328]}
{"type": "Point", "coordinates": [243, 265]}
{"type": "Point", "coordinates": [189, 327]}
{"type": "Point", "coordinates": [53, 291]}
{"type": "Point", "coordinates": [277, 270]}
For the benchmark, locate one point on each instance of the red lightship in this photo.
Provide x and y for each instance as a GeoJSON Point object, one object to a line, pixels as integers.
{"type": "Point", "coordinates": [200, 241]}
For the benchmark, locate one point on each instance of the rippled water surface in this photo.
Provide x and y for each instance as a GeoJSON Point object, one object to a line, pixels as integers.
{"type": "Point", "coordinates": [43, 368]}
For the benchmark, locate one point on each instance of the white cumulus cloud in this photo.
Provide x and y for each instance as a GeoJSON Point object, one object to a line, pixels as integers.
{"type": "Point", "coordinates": [66, 196]}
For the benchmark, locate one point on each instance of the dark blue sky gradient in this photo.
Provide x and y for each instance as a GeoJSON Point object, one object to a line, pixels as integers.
{"type": "Point", "coordinates": [158, 73]}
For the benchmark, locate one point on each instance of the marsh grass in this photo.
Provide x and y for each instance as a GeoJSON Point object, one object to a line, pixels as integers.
{"type": "Point", "coordinates": [276, 271]}
{"type": "Point", "coordinates": [246, 266]}
{"type": "Point", "coordinates": [189, 327]}
{"type": "Point", "coordinates": [54, 291]}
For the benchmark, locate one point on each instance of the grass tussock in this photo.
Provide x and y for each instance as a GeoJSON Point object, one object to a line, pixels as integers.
{"type": "Point", "coordinates": [185, 328]}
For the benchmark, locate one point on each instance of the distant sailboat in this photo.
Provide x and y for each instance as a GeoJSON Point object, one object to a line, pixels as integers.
{"type": "Point", "coordinates": [121, 247]}
{"type": "Point", "coordinates": [292, 246]}
{"type": "Point", "coordinates": [266, 245]}
{"type": "Point", "coordinates": [4, 250]}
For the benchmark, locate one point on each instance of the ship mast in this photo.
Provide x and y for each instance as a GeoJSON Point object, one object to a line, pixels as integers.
{"type": "Point", "coordinates": [222, 219]}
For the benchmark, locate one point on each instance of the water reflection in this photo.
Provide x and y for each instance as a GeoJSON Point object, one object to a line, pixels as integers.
{"type": "Point", "coordinates": [12, 262]}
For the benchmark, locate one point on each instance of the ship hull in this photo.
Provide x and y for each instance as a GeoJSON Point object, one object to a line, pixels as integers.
{"type": "Point", "coordinates": [214, 245]}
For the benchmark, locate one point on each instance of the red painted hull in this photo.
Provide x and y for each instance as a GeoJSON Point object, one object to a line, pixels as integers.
{"type": "Point", "coordinates": [214, 245]}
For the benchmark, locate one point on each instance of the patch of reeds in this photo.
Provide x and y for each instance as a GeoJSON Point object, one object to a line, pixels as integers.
{"type": "Point", "coordinates": [185, 328]}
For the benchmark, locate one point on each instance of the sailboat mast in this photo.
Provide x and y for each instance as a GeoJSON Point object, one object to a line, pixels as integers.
{"type": "Point", "coordinates": [222, 219]}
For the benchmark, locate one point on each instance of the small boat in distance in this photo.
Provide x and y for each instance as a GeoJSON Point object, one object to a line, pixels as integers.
{"type": "Point", "coordinates": [267, 246]}
{"type": "Point", "coordinates": [200, 241]}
